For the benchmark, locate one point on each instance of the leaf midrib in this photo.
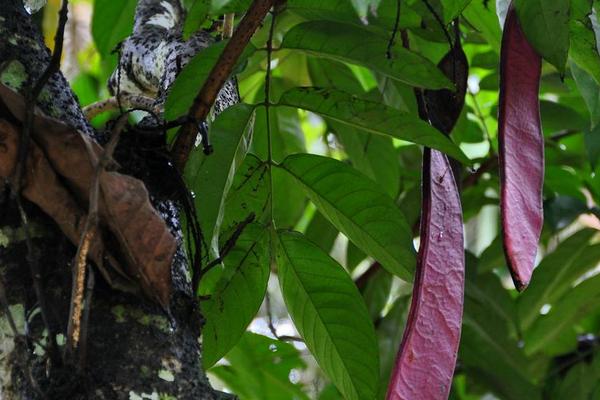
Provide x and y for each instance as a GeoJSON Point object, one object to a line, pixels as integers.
{"type": "Point", "coordinates": [303, 287]}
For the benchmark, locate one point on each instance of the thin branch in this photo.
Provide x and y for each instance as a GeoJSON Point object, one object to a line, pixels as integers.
{"type": "Point", "coordinates": [31, 97]}
{"type": "Point", "coordinates": [439, 21]}
{"type": "Point", "coordinates": [224, 251]}
{"type": "Point", "coordinates": [89, 231]}
{"type": "Point", "coordinates": [89, 293]}
{"type": "Point", "coordinates": [271, 324]}
{"type": "Point", "coordinates": [565, 133]}
{"type": "Point", "coordinates": [186, 138]}
{"type": "Point", "coordinates": [228, 25]}
{"type": "Point", "coordinates": [268, 114]}
{"type": "Point", "coordinates": [24, 143]}
{"type": "Point", "coordinates": [394, 32]}
{"type": "Point", "coordinates": [481, 118]}
{"type": "Point", "coordinates": [126, 100]}
{"type": "Point", "coordinates": [488, 165]}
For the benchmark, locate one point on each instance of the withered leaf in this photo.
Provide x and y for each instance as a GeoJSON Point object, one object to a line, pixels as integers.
{"type": "Point", "coordinates": [60, 154]}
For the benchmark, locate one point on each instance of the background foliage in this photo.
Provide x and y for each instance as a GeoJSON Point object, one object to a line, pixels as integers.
{"type": "Point", "coordinates": [329, 164]}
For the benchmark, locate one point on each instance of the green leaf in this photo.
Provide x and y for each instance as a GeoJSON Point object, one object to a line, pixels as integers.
{"type": "Point", "coordinates": [370, 117]}
{"type": "Point", "coordinates": [249, 193]}
{"type": "Point", "coordinates": [563, 180]}
{"type": "Point", "coordinates": [560, 211]}
{"type": "Point", "coordinates": [562, 317]}
{"type": "Point", "coordinates": [286, 138]}
{"type": "Point", "coordinates": [556, 273]}
{"type": "Point", "coordinates": [583, 49]}
{"type": "Point", "coordinates": [321, 232]}
{"type": "Point", "coordinates": [343, 11]}
{"type": "Point", "coordinates": [546, 25]}
{"type": "Point", "coordinates": [220, 7]}
{"type": "Point", "coordinates": [579, 382]}
{"type": "Point", "coordinates": [453, 8]}
{"type": "Point", "coordinates": [238, 294]}
{"type": "Point", "coordinates": [260, 368]}
{"type": "Point", "coordinates": [592, 145]}
{"type": "Point", "coordinates": [112, 22]}
{"type": "Point", "coordinates": [192, 77]}
{"type": "Point", "coordinates": [482, 16]}
{"type": "Point", "coordinates": [389, 334]}
{"type": "Point", "coordinates": [330, 315]}
{"type": "Point", "coordinates": [589, 90]}
{"type": "Point", "coordinates": [209, 176]}
{"type": "Point", "coordinates": [197, 12]}
{"type": "Point", "coordinates": [354, 256]}
{"type": "Point", "coordinates": [555, 116]}
{"type": "Point", "coordinates": [326, 73]}
{"type": "Point", "coordinates": [376, 293]}
{"type": "Point", "coordinates": [358, 208]}
{"type": "Point", "coordinates": [487, 352]}
{"type": "Point", "coordinates": [373, 155]}
{"type": "Point", "coordinates": [349, 43]}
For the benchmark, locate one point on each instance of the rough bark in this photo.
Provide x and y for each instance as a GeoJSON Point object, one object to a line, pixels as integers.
{"type": "Point", "coordinates": [134, 349]}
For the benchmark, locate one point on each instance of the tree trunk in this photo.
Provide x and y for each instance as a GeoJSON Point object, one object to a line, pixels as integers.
{"type": "Point", "coordinates": [134, 350]}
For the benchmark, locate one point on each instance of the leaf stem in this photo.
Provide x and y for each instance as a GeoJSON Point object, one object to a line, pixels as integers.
{"type": "Point", "coordinates": [267, 105]}
{"type": "Point", "coordinates": [186, 137]}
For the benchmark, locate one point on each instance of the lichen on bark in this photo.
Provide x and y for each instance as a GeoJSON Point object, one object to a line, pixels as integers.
{"type": "Point", "coordinates": [124, 358]}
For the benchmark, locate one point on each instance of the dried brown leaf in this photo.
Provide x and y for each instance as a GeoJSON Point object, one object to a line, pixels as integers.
{"type": "Point", "coordinates": [145, 245]}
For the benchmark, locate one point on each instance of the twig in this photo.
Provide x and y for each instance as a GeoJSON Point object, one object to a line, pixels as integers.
{"type": "Point", "coordinates": [75, 315]}
{"type": "Point", "coordinates": [481, 118]}
{"type": "Point", "coordinates": [287, 338]}
{"type": "Point", "coordinates": [126, 100]}
{"type": "Point", "coordinates": [224, 251]}
{"type": "Point", "coordinates": [89, 294]}
{"type": "Point", "coordinates": [24, 142]}
{"type": "Point", "coordinates": [558, 136]}
{"type": "Point", "coordinates": [268, 115]}
{"type": "Point", "coordinates": [394, 32]}
{"type": "Point", "coordinates": [203, 102]}
{"type": "Point", "coordinates": [31, 97]}
{"type": "Point", "coordinates": [271, 325]}
{"type": "Point", "coordinates": [228, 25]}
{"type": "Point", "coordinates": [439, 21]}
{"type": "Point", "coordinates": [36, 276]}
{"type": "Point", "coordinates": [488, 165]}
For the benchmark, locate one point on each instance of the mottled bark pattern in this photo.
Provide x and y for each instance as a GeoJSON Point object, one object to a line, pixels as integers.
{"type": "Point", "coordinates": [133, 347]}
{"type": "Point", "coordinates": [153, 56]}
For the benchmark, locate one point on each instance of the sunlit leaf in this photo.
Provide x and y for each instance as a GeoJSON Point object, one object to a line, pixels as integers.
{"type": "Point", "coordinates": [370, 117]}
{"type": "Point", "coordinates": [192, 77]}
{"type": "Point", "coordinates": [330, 315]}
{"type": "Point", "coordinates": [546, 25]}
{"type": "Point", "coordinates": [357, 207]}
{"type": "Point", "coordinates": [352, 44]}
{"type": "Point", "coordinates": [112, 22]}
{"type": "Point", "coordinates": [209, 176]}
{"type": "Point", "coordinates": [197, 11]}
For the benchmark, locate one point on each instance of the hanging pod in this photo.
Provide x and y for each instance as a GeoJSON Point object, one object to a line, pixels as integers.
{"type": "Point", "coordinates": [521, 151]}
{"type": "Point", "coordinates": [426, 360]}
